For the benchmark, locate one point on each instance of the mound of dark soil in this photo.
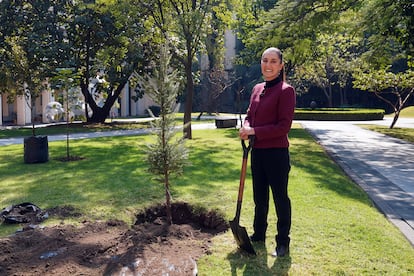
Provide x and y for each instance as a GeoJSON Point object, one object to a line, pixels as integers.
{"type": "Point", "coordinates": [149, 247]}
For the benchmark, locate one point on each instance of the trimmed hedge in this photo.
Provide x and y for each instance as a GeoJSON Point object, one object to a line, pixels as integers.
{"type": "Point", "coordinates": [338, 114]}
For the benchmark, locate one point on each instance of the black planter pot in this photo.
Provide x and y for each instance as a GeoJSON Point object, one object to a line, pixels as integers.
{"type": "Point", "coordinates": [36, 149]}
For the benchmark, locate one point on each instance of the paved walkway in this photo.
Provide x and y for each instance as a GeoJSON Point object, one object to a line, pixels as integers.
{"type": "Point", "coordinates": [382, 166]}
{"type": "Point", "coordinates": [74, 136]}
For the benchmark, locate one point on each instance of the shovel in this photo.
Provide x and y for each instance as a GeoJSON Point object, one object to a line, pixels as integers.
{"type": "Point", "coordinates": [239, 232]}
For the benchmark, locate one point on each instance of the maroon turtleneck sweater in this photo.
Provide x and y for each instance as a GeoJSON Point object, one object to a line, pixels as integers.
{"type": "Point", "coordinates": [270, 113]}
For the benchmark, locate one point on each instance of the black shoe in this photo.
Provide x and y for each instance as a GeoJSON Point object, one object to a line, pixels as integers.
{"type": "Point", "coordinates": [281, 251]}
{"type": "Point", "coordinates": [256, 238]}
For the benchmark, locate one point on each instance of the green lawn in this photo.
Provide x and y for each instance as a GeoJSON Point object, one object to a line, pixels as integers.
{"type": "Point", "coordinates": [71, 128]}
{"type": "Point", "coordinates": [110, 125]}
{"type": "Point", "coordinates": [336, 229]}
{"type": "Point", "coordinates": [407, 112]}
{"type": "Point", "coordinates": [406, 134]}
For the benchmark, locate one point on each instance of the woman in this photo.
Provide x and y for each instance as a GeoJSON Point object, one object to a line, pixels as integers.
{"type": "Point", "coordinates": [269, 119]}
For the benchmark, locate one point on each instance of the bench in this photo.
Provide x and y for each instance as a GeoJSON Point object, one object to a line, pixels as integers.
{"type": "Point", "coordinates": [226, 122]}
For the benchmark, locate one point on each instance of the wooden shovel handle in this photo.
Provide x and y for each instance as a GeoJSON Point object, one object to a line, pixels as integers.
{"type": "Point", "coordinates": [246, 150]}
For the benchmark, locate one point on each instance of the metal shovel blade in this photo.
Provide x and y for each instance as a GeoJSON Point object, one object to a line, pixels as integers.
{"type": "Point", "coordinates": [241, 237]}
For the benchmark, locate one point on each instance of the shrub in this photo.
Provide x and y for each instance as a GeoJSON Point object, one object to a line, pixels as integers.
{"type": "Point", "coordinates": [338, 114]}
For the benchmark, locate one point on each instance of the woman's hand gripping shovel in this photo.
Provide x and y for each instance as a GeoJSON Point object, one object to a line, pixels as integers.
{"type": "Point", "coordinates": [239, 232]}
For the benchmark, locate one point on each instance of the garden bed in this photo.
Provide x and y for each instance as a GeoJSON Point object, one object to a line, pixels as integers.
{"type": "Point", "coordinates": [149, 247]}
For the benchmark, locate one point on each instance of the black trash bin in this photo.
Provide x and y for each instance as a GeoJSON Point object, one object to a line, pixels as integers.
{"type": "Point", "coordinates": [36, 149]}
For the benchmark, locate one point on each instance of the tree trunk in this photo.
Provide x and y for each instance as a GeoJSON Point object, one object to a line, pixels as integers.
{"type": "Point", "coordinates": [168, 200]}
{"type": "Point", "coordinates": [99, 114]}
{"type": "Point", "coordinates": [330, 99]}
{"type": "Point", "coordinates": [187, 133]}
{"type": "Point", "coordinates": [345, 96]}
{"type": "Point", "coordinates": [395, 119]}
{"type": "Point", "coordinates": [328, 96]}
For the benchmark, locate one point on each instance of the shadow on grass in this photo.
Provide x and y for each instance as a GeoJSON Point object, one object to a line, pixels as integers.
{"type": "Point", "coordinates": [309, 157]}
{"type": "Point", "coordinates": [114, 172]}
{"type": "Point", "coordinates": [212, 164]}
{"type": "Point", "coordinates": [258, 265]}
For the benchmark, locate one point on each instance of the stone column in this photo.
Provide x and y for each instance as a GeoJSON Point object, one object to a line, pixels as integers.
{"type": "Point", "coordinates": [46, 98]}
{"type": "Point", "coordinates": [23, 111]}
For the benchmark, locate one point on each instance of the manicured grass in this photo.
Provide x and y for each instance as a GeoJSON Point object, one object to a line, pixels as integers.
{"type": "Point", "coordinates": [407, 112]}
{"type": "Point", "coordinates": [71, 128]}
{"type": "Point", "coordinates": [336, 230]}
{"type": "Point", "coordinates": [110, 125]}
{"type": "Point", "coordinates": [406, 134]}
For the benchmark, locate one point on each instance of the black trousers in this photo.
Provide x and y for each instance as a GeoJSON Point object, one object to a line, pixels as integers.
{"type": "Point", "coordinates": [270, 169]}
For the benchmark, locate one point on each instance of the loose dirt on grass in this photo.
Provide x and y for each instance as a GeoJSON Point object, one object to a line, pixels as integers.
{"type": "Point", "coordinates": [149, 247]}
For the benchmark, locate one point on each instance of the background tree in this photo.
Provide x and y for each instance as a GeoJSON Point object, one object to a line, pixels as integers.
{"type": "Point", "coordinates": [389, 30]}
{"type": "Point", "coordinates": [214, 83]}
{"type": "Point", "coordinates": [386, 67]}
{"type": "Point", "coordinates": [108, 39]}
{"type": "Point", "coordinates": [215, 77]}
{"type": "Point", "coordinates": [294, 26]}
{"type": "Point", "coordinates": [319, 71]}
{"type": "Point", "coordinates": [382, 83]}
{"type": "Point", "coordinates": [32, 44]}
{"type": "Point", "coordinates": [166, 157]}
{"type": "Point", "coordinates": [377, 32]}
{"type": "Point", "coordinates": [330, 66]}
{"type": "Point", "coordinates": [183, 24]}
{"type": "Point", "coordinates": [65, 81]}
{"type": "Point", "coordinates": [247, 18]}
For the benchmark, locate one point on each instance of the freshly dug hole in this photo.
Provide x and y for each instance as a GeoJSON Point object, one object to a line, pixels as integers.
{"type": "Point", "coordinates": [183, 213]}
{"type": "Point", "coordinates": [149, 247]}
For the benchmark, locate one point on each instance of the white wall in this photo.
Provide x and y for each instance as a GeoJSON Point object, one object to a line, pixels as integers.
{"type": "Point", "coordinates": [125, 100]}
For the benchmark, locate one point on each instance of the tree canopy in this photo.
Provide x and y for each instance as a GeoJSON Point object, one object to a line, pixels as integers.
{"type": "Point", "coordinates": [101, 38]}
{"type": "Point", "coordinates": [184, 26]}
{"type": "Point", "coordinates": [326, 43]}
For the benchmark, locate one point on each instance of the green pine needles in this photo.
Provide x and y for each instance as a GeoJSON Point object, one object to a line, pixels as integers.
{"type": "Point", "coordinates": [168, 154]}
